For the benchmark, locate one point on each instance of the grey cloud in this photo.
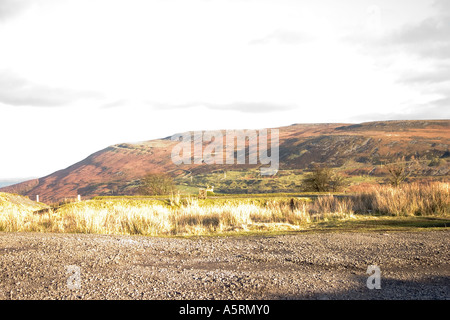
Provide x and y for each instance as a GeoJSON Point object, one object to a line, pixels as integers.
{"type": "Point", "coordinates": [435, 29]}
{"type": "Point", "coordinates": [438, 109]}
{"type": "Point", "coordinates": [114, 104]}
{"type": "Point", "coordinates": [17, 91]}
{"type": "Point", "coordinates": [10, 8]}
{"type": "Point", "coordinates": [442, 5]}
{"type": "Point", "coordinates": [435, 51]}
{"type": "Point", "coordinates": [440, 74]}
{"type": "Point", "coordinates": [283, 37]}
{"type": "Point", "coordinates": [250, 107]}
{"type": "Point", "coordinates": [428, 39]}
{"type": "Point", "coordinates": [246, 107]}
{"type": "Point", "coordinates": [444, 106]}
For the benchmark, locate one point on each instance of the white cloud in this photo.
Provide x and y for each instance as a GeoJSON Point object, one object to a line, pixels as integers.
{"type": "Point", "coordinates": [18, 91]}
{"type": "Point", "coordinates": [159, 67]}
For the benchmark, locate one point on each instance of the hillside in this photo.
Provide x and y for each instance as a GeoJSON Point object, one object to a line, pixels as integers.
{"type": "Point", "coordinates": [17, 203]}
{"type": "Point", "coordinates": [357, 150]}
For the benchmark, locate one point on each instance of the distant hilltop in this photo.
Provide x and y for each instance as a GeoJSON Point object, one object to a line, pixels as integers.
{"type": "Point", "coordinates": [118, 168]}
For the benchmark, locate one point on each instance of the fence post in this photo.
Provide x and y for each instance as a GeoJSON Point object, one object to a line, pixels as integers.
{"type": "Point", "coordinates": [37, 198]}
{"type": "Point", "coordinates": [79, 198]}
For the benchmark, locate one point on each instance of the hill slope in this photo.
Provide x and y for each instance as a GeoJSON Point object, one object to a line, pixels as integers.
{"type": "Point", "coordinates": [17, 203]}
{"type": "Point", "coordinates": [354, 148]}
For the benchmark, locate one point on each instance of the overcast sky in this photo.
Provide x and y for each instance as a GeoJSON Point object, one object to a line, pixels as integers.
{"type": "Point", "coordinates": [79, 75]}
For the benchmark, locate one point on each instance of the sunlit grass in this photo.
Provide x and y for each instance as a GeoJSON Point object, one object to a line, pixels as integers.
{"type": "Point", "coordinates": [190, 216]}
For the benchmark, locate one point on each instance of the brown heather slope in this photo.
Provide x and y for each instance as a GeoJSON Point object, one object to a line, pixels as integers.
{"type": "Point", "coordinates": [117, 169]}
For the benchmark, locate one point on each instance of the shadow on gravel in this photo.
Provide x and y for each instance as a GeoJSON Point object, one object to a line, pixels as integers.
{"type": "Point", "coordinates": [427, 288]}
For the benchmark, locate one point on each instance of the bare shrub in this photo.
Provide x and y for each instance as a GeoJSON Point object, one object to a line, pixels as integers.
{"type": "Point", "coordinates": [156, 184]}
{"type": "Point", "coordinates": [323, 179]}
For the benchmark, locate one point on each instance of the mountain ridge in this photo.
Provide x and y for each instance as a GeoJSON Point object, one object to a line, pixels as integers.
{"type": "Point", "coordinates": [117, 169]}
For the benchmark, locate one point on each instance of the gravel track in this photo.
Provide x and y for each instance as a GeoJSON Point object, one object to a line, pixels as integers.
{"type": "Point", "coordinates": [413, 265]}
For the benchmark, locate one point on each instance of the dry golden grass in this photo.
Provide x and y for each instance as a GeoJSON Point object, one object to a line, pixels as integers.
{"type": "Point", "coordinates": [16, 213]}
{"type": "Point", "coordinates": [408, 200]}
{"type": "Point", "coordinates": [192, 217]}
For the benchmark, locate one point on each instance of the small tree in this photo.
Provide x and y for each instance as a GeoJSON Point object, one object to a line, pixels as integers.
{"type": "Point", "coordinates": [323, 179]}
{"type": "Point", "coordinates": [156, 184]}
{"type": "Point", "coordinates": [400, 170]}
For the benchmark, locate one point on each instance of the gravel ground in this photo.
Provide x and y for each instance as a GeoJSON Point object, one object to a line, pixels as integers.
{"type": "Point", "coordinates": [413, 265]}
